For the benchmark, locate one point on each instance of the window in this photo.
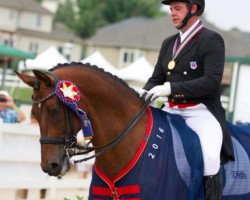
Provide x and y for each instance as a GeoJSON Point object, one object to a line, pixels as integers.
{"type": "Point", "coordinates": [33, 47]}
{"type": "Point", "coordinates": [12, 14]}
{"type": "Point", "coordinates": [128, 56]}
{"type": "Point", "coordinates": [39, 20]}
{"type": "Point", "coordinates": [6, 42]}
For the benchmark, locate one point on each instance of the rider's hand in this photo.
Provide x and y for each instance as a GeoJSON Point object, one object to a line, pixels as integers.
{"type": "Point", "coordinates": [159, 91]}
{"type": "Point", "coordinates": [142, 92]}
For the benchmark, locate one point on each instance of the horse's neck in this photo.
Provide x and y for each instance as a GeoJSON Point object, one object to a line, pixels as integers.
{"type": "Point", "coordinates": [110, 111]}
{"type": "Point", "coordinates": [118, 157]}
{"type": "Point", "coordinates": [113, 118]}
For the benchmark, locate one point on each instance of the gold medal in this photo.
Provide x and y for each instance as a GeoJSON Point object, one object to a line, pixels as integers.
{"type": "Point", "coordinates": [171, 64]}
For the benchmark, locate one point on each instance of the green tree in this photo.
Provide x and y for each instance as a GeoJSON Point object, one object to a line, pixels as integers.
{"type": "Point", "coordinates": [89, 17]}
{"type": "Point", "coordinates": [39, 1]}
{"type": "Point", "coordinates": [93, 14]}
{"type": "Point", "coordinates": [65, 14]}
{"type": "Point", "coordinates": [121, 9]}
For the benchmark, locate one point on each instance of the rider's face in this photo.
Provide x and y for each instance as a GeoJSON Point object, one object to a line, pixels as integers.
{"type": "Point", "coordinates": [179, 11]}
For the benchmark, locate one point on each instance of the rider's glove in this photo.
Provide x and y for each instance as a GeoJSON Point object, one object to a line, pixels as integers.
{"type": "Point", "coordinates": [159, 91]}
{"type": "Point", "coordinates": [142, 92]}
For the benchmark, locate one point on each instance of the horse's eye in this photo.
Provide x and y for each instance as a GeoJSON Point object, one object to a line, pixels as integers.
{"type": "Point", "coordinates": [54, 110]}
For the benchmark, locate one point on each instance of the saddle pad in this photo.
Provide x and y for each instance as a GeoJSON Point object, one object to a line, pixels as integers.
{"type": "Point", "coordinates": [167, 166]}
{"type": "Point", "coordinates": [236, 175]}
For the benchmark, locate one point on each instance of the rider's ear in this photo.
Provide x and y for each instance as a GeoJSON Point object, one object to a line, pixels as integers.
{"type": "Point", "coordinates": [42, 77]}
{"type": "Point", "coordinates": [29, 80]}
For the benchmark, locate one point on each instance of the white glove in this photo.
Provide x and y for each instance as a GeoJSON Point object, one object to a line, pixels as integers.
{"type": "Point", "coordinates": [142, 92]}
{"type": "Point", "coordinates": [159, 91]}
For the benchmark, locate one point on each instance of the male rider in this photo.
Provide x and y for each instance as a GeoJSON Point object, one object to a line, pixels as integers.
{"type": "Point", "coordinates": [189, 72]}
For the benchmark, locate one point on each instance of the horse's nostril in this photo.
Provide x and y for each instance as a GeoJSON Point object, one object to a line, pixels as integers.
{"type": "Point", "coordinates": [54, 168]}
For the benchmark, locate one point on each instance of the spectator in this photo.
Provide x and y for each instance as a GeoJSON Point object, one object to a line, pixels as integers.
{"type": "Point", "coordinates": [9, 112]}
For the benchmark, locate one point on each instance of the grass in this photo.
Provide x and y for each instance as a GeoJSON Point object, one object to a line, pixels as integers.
{"type": "Point", "coordinates": [21, 95]}
{"type": "Point", "coordinates": [77, 197]}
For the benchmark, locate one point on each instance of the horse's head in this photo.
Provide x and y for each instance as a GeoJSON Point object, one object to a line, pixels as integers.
{"type": "Point", "coordinates": [57, 124]}
{"type": "Point", "coordinates": [104, 99]}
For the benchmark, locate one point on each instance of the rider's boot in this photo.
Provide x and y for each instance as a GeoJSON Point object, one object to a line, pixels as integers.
{"type": "Point", "coordinates": [213, 187]}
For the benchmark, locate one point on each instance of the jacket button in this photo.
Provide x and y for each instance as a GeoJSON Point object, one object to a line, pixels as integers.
{"type": "Point", "coordinates": [169, 73]}
{"type": "Point", "coordinates": [185, 72]}
{"type": "Point", "coordinates": [184, 101]}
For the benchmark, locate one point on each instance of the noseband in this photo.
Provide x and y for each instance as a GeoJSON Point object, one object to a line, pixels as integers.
{"type": "Point", "coordinates": [69, 140]}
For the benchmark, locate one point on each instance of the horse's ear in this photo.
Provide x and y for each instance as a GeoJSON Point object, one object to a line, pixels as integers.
{"type": "Point", "coordinates": [29, 80]}
{"type": "Point", "coordinates": [42, 77]}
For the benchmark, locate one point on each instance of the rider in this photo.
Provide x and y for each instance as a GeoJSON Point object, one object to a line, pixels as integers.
{"type": "Point", "coordinates": [189, 72]}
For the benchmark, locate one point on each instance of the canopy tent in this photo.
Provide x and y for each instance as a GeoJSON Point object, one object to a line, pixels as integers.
{"type": "Point", "coordinates": [140, 70]}
{"type": "Point", "coordinates": [8, 53]}
{"type": "Point", "coordinates": [45, 60]}
{"type": "Point", "coordinates": [13, 53]}
{"type": "Point", "coordinates": [98, 59]}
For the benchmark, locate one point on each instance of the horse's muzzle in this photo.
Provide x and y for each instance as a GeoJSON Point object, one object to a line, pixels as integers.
{"type": "Point", "coordinates": [57, 168]}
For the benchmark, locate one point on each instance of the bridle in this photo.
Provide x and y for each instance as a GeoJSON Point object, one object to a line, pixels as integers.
{"type": "Point", "coordinates": [69, 140]}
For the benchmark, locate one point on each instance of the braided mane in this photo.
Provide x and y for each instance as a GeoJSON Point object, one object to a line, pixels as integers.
{"type": "Point", "coordinates": [88, 65]}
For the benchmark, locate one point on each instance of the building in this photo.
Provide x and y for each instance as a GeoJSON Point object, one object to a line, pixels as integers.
{"type": "Point", "coordinates": [52, 5]}
{"type": "Point", "coordinates": [27, 25]}
{"type": "Point", "coordinates": [123, 42]}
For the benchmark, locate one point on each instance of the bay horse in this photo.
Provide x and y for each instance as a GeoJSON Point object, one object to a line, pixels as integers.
{"type": "Point", "coordinates": [141, 152]}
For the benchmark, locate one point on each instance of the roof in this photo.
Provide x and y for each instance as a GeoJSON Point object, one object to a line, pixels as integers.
{"type": "Point", "coordinates": [239, 59]}
{"type": "Point", "coordinates": [144, 33]}
{"type": "Point", "coordinates": [28, 5]}
{"type": "Point", "coordinates": [134, 32]}
{"type": "Point", "coordinates": [59, 32]}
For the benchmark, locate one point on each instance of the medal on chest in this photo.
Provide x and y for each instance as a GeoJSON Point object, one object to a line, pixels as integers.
{"type": "Point", "coordinates": [178, 46]}
{"type": "Point", "coordinates": [171, 65]}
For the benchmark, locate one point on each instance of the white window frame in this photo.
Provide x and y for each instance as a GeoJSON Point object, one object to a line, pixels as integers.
{"type": "Point", "coordinates": [132, 56]}
{"type": "Point", "coordinates": [33, 47]}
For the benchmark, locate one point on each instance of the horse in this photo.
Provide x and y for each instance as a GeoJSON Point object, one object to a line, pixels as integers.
{"type": "Point", "coordinates": [141, 152]}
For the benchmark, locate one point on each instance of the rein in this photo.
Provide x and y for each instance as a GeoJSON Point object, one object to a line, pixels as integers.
{"type": "Point", "coordinates": [114, 141]}
{"type": "Point", "coordinates": [70, 141]}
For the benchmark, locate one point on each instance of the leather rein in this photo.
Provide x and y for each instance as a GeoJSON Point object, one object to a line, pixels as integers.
{"type": "Point", "coordinates": [69, 140]}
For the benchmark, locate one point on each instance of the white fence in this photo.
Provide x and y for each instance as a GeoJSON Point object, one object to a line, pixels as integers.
{"type": "Point", "coordinates": [21, 176]}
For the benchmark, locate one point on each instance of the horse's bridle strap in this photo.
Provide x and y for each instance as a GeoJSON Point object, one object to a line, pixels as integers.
{"type": "Point", "coordinates": [52, 140]}
{"type": "Point", "coordinates": [67, 140]}
{"type": "Point", "coordinates": [107, 146]}
{"type": "Point", "coordinates": [70, 141]}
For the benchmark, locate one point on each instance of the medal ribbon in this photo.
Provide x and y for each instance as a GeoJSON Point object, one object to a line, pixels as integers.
{"type": "Point", "coordinates": [177, 48]}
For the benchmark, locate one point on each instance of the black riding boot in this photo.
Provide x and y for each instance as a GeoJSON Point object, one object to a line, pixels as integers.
{"type": "Point", "coordinates": [213, 187]}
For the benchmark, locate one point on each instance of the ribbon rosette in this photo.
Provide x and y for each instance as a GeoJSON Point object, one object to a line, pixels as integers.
{"type": "Point", "coordinates": [68, 93]}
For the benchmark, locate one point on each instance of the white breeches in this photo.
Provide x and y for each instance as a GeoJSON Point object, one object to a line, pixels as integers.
{"type": "Point", "coordinates": [209, 131]}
